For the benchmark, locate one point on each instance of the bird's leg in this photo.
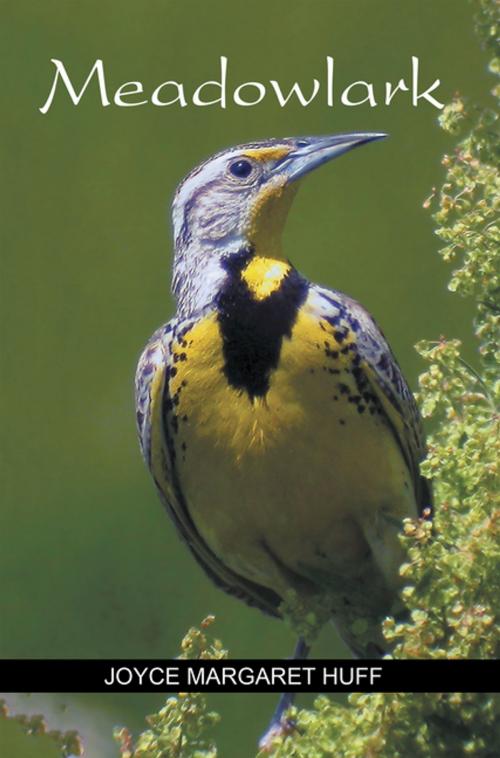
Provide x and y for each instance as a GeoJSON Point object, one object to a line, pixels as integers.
{"type": "Point", "coordinates": [278, 724]}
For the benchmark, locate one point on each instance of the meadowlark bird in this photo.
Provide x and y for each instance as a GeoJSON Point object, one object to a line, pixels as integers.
{"type": "Point", "coordinates": [279, 430]}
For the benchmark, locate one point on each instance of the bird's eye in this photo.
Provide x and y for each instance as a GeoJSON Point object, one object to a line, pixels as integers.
{"type": "Point", "coordinates": [241, 169]}
{"type": "Point", "coordinates": [302, 143]}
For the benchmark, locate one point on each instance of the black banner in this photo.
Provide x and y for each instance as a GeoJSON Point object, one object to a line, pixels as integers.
{"type": "Point", "coordinates": [249, 676]}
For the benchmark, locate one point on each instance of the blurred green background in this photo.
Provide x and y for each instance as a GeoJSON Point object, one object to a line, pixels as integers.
{"type": "Point", "coordinates": [90, 564]}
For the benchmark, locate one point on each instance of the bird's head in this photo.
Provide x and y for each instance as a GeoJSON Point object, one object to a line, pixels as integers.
{"type": "Point", "coordinates": [239, 199]}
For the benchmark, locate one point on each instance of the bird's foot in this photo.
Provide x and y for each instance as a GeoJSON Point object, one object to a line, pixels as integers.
{"type": "Point", "coordinates": [276, 730]}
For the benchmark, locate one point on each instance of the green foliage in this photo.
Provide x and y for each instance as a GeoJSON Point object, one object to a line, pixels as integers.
{"type": "Point", "coordinates": [452, 576]}
{"type": "Point", "coordinates": [396, 726]}
{"type": "Point", "coordinates": [182, 727]}
{"type": "Point", "coordinates": [178, 730]}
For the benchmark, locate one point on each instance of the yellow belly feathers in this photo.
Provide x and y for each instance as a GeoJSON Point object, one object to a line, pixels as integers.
{"type": "Point", "coordinates": [295, 488]}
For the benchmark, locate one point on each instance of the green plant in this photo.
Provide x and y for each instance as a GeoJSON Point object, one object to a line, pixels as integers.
{"type": "Point", "coordinates": [182, 727]}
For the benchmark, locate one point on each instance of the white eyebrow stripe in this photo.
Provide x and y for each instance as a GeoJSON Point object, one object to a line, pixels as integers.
{"type": "Point", "coordinates": [203, 175]}
{"type": "Point", "coordinates": [204, 172]}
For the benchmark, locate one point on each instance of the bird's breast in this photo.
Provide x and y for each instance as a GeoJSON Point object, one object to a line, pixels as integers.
{"type": "Point", "coordinates": [281, 453]}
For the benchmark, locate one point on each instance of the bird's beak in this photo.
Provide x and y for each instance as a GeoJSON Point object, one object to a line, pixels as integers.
{"type": "Point", "coordinates": [311, 152]}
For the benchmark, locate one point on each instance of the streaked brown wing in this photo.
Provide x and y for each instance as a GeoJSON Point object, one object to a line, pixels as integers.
{"type": "Point", "coordinates": [389, 385]}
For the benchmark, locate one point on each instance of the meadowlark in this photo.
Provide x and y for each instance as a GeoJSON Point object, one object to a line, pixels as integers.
{"type": "Point", "coordinates": [277, 425]}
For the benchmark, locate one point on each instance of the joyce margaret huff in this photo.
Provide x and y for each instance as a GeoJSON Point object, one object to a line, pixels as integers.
{"type": "Point", "coordinates": [247, 94]}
